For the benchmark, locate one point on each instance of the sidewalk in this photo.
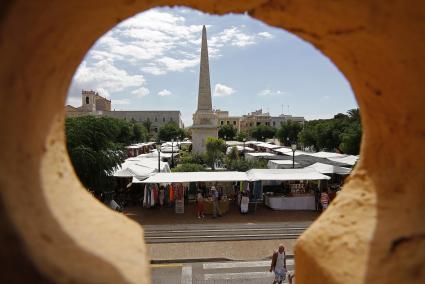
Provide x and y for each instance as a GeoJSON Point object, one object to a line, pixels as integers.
{"type": "Point", "coordinates": [227, 250]}
{"type": "Point", "coordinates": [164, 215]}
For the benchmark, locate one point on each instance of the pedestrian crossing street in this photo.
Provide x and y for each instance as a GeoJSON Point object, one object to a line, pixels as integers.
{"type": "Point", "coordinates": [251, 272]}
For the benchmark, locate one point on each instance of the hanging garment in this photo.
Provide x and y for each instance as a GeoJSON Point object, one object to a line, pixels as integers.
{"type": "Point", "coordinates": [244, 204]}
{"type": "Point", "coordinates": [148, 196]}
{"type": "Point", "coordinates": [161, 197]}
{"type": "Point", "coordinates": [258, 190]}
{"type": "Point", "coordinates": [145, 195]}
{"type": "Point", "coordinates": [167, 195]}
{"type": "Point", "coordinates": [171, 193]}
{"type": "Point", "coordinates": [152, 198]}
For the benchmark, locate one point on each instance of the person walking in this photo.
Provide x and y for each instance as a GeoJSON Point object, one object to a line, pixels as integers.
{"type": "Point", "coordinates": [324, 199]}
{"type": "Point", "coordinates": [216, 209]}
{"type": "Point", "coordinates": [278, 265]}
{"type": "Point", "coordinates": [200, 205]}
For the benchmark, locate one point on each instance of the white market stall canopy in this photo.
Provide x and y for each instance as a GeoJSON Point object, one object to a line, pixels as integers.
{"type": "Point", "coordinates": [264, 155]}
{"type": "Point", "coordinates": [348, 160]}
{"type": "Point", "coordinates": [285, 174]}
{"type": "Point", "coordinates": [240, 149]}
{"type": "Point", "coordinates": [195, 177]}
{"type": "Point", "coordinates": [326, 155]}
{"type": "Point", "coordinates": [251, 175]}
{"type": "Point", "coordinates": [329, 169]}
{"type": "Point", "coordinates": [278, 164]}
{"type": "Point", "coordinates": [267, 145]}
{"type": "Point", "coordinates": [140, 168]}
{"type": "Point", "coordinates": [283, 150]}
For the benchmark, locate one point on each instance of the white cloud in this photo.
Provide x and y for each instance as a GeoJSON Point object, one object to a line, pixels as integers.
{"type": "Point", "coordinates": [104, 75]}
{"type": "Point", "coordinates": [155, 42]}
{"type": "Point", "coordinates": [232, 36]}
{"type": "Point", "coordinates": [221, 90]}
{"type": "Point", "coordinates": [268, 92]}
{"type": "Point", "coordinates": [74, 101]}
{"type": "Point", "coordinates": [141, 92]}
{"type": "Point", "coordinates": [164, 93]}
{"type": "Point", "coordinates": [121, 102]}
{"type": "Point", "coordinates": [266, 35]}
{"type": "Point", "coordinates": [173, 64]}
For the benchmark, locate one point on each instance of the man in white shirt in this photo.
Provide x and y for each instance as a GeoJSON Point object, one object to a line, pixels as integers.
{"type": "Point", "coordinates": [279, 265]}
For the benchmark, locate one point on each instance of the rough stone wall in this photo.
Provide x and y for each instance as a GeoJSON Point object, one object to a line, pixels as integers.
{"type": "Point", "coordinates": [373, 232]}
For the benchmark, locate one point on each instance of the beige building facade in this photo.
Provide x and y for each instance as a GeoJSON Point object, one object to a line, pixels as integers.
{"type": "Point", "coordinates": [245, 122]}
{"type": "Point", "coordinates": [95, 104]}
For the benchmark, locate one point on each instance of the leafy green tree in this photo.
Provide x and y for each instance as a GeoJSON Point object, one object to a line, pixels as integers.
{"type": "Point", "coordinates": [170, 131]}
{"type": "Point", "coordinates": [263, 132]}
{"type": "Point", "coordinates": [243, 165]}
{"type": "Point", "coordinates": [194, 158]}
{"type": "Point", "coordinates": [96, 147]}
{"type": "Point", "coordinates": [288, 132]}
{"type": "Point", "coordinates": [215, 150]}
{"type": "Point", "coordinates": [234, 153]}
{"type": "Point", "coordinates": [241, 136]}
{"type": "Point", "coordinates": [351, 139]}
{"type": "Point", "coordinates": [188, 167]}
{"type": "Point", "coordinates": [227, 132]}
{"type": "Point", "coordinates": [342, 133]}
{"type": "Point", "coordinates": [148, 125]}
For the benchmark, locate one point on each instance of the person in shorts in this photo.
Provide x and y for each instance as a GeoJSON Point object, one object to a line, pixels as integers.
{"type": "Point", "coordinates": [278, 265]}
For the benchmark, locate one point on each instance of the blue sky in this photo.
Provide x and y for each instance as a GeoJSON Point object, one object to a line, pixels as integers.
{"type": "Point", "coordinates": [151, 62]}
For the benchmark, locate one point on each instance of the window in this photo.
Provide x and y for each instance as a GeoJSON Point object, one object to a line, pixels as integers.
{"type": "Point", "coordinates": [234, 122]}
{"type": "Point", "coordinates": [250, 124]}
{"type": "Point", "coordinates": [87, 100]}
{"type": "Point", "coordinates": [258, 123]}
{"type": "Point", "coordinates": [163, 119]}
{"type": "Point", "coordinates": [171, 119]}
{"type": "Point", "coordinates": [227, 122]}
{"type": "Point", "coordinates": [156, 119]}
{"type": "Point", "coordinates": [222, 122]}
{"type": "Point", "coordinates": [274, 123]}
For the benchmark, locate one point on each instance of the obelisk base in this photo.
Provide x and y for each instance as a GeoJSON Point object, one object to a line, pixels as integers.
{"type": "Point", "coordinates": [199, 138]}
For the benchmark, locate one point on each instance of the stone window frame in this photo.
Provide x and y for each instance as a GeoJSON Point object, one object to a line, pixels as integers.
{"type": "Point", "coordinates": [362, 40]}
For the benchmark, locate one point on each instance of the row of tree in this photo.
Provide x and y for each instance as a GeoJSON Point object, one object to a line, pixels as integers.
{"type": "Point", "coordinates": [96, 147]}
{"type": "Point", "coordinates": [341, 133]}
{"type": "Point", "coordinates": [216, 154]}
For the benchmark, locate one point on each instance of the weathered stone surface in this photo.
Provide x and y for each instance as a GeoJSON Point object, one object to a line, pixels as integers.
{"type": "Point", "coordinates": [53, 231]}
{"type": "Point", "coordinates": [204, 93]}
{"type": "Point", "coordinates": [204, 119]}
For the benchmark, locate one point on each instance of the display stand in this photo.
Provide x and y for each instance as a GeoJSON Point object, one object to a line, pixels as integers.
{"type": "Point", "coordinates": [179, 208]}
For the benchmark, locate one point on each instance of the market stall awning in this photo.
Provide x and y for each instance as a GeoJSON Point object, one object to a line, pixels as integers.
{"type": "Point", "coordinates": [329, 169]}
{"type": "Point", "coordinates": [285, 174]}
{"type": "Point", "coordinates": [280, 164]}
{"type": "Point", "coordinates": [140, 168]}
{"type": "Point", "coordinates": [195, 177]}
{"type": "Point", "coordinates": [348, 160]}
{"type": "Point", "coordinates": [240, 149]}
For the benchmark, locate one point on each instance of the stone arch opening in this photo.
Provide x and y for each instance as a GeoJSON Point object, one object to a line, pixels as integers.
{"type": "Point", "coordinates": [376, 45]}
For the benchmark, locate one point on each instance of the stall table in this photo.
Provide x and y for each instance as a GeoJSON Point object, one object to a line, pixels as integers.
{"type": "Point", "coordinates": [223, 205]}
{"type": "Point", "coordinates": [302, 202]}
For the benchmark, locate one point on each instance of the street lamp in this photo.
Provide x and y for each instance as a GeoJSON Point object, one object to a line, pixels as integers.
{"type": "Point", "coordinates": [293, 147]}
{"type": "Point", "coordinates": [158, 148]}
{"type": "Point", "coordinates": [172, 152]}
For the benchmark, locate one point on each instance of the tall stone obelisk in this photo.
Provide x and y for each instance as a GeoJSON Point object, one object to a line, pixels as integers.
{"type": "Point", "coordinates": [204, 119]}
